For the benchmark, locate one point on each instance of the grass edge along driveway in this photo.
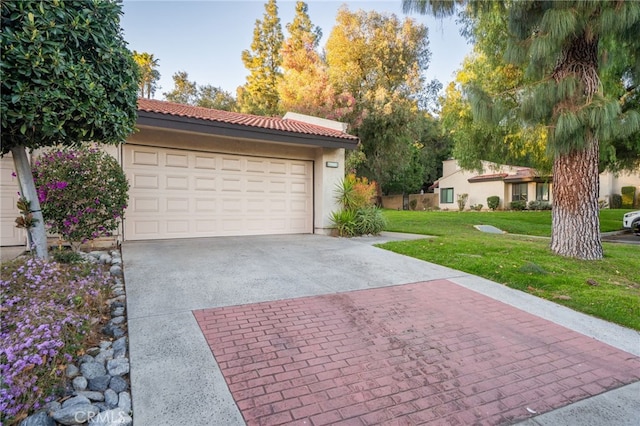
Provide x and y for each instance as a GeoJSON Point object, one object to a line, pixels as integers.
{"type": "Point", "coordinates": [608, 289]}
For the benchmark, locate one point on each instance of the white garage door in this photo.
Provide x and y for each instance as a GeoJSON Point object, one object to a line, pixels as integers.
{"type": "Point", "coordinates": [9, 234]}
{"type": "Point", "coordinates": [180, 194]}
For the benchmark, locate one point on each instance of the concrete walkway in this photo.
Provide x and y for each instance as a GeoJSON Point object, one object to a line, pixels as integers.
{"type": "Point", "coordinates": [177, 380]}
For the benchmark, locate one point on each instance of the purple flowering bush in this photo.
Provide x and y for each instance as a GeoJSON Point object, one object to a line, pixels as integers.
{"type": "Point", "coordinates": [46, 310]}
{"type": "Point", "coordinates": [82, 193]}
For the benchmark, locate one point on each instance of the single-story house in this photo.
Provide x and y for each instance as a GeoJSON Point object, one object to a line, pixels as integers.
{"type": "Point", "coordinates": [511, 183]}
{"type": "Point", "coordinates": [199, 172]}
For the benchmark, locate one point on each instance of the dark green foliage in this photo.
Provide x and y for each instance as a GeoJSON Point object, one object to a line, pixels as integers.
{"type": "Point", "coordinates": [190, 93]}
{"type": "Point", "coordinates": [344, 222]}
{"type": "Point", "coordinates": [539, 205]}
{"type": "Point", "coordinates": [518, 205]}
{"type": "Point", "coordinates": [493, 202]}
{"type": "Point", "coordinates": [67, 75]}
{"type": "Point", "coordinates": [66, 256]}
{"type": "Point", "coordinates": [628, 196]}
{"type": "Point", "coordinates": [369, 220]}
{"type": "Point", "coordinates": [533, 269]}
{"type": "Point", "coordinates": [260, 94]}
{"type": "Point", "coordinates": [615, 201]}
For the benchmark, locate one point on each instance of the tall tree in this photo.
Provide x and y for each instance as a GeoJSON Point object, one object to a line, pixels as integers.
{"type": "Point", "coordinates": [377, 56]}
{"type": "Point", "coordinates": [260, 93]}
{"type": "Point", "coordinates": [149, 74]}
{"type": "Point", "coordinates": [67, 77]}
{"type": "Point", "coordinates": [380, 60]}
{"type": "Point", "coordinates": [558, 45]}
{"type": "Point", "coordinates": [486, 71]}
{"type": "Point", "coordinates": [305, 86]}
{"type": "Point", "coordinates": [215, 97]}
{"type": "Point", "coordinates": [184, 91]}
{"type": "Point", "coordinates": [189, 92]}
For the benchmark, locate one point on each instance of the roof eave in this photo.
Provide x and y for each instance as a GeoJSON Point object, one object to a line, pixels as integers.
{"type": "Point", "coordinates": [188, 124]}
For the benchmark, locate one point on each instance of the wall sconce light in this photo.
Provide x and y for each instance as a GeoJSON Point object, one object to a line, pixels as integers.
{"type": "Point", "coordinates": [332, 164]}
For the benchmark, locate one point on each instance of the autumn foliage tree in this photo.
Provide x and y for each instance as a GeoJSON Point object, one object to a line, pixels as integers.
{"type": "Point", "coordinates": [380, 59]}
{"type": "Point", "coordinates": [305, 86]}
{"type": "Point", "coordinates": [559, 48]}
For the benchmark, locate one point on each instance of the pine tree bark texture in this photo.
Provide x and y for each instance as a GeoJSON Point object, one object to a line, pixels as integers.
{"type": "Point", "coordinates": [575, 213]}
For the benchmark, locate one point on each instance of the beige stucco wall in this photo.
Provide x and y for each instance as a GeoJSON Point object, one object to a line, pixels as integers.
{"type": "Point", "coordinates": [458, 179]}
{"type": "Point", "coordinates": [325, 180]}
{"type": "Point", "coordinates": [612, 184]}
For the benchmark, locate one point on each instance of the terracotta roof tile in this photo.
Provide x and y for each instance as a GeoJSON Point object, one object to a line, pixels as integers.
{"type": "Point", "coordinates": [489, 177]}
{"type": "Point", "coordinates": [272, 123]}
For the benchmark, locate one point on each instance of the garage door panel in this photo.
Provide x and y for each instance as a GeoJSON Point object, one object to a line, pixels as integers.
{"type": "Point", "coordinates": [205, 226]}
{"type": "Point", "coordinates": [231, 164]}
{"type": "Point", "coordinates": [277, 167]}
{"type": "Point", "coordinates": [299, 169]}
{"type": "Point", "coordinates": [145, 157]}
{"type": "Point", "coordinates": [177, 182]}
{"type": "Point", "coordinates": [298, 187]}
{"type": "Point", "coordinates": [148, 181]}
{"type": "Point", "coordinates": [177, 227]}
{"type": "Point", "coordinates": [177, 205]}
{"type": "Point", "coordinates": [257, 166]}
{"type": "Point", "coordinates": [145, 205]}
{"type": "Point", "coordinates": [205, 183]}
{"type": "Point", "coordinates": [177, 160]}
{"type": "Point", "coordinates": [146, 227]}
{"type": "Point", "coordinates": [231, 184]}
{"type": "Point", "coordinates": [277, 186]}
{"type": "Point", "coordinates": [205, 162]}
{"type": "Point", "coordinates": [205, 205]}
{"type": "Point", "coordinates": [299, 206]}
{"type": "Point", "coordinates": [256, 185]}
{"type": "Point", "coordinates": [180, 194]}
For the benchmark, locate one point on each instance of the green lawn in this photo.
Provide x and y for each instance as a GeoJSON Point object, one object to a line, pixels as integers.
{"type": "Point", "coordinates": [608, 288]}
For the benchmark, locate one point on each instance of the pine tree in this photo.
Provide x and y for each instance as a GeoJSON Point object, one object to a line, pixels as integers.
{"type": "Point", "coordinates": [305, 86]}
{"type": "Point", "coordinates": [558, 46]}
{"type": "Point", "coordinates": [260, 93]}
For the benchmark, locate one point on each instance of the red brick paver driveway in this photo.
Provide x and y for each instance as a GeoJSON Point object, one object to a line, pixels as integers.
{"type": "Point", "coordinates": [429, 352]}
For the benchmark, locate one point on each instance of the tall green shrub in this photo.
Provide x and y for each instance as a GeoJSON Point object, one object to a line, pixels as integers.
{"type": "Point", "coordinates": [493, 202]}
{"type": "Point", "coordinates": [616, 201]}
{"type": "Point", "coordinates": [628, 196]}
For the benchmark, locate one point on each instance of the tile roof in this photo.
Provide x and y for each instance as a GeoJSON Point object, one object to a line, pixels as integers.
{"type": "Point", "coordinates": [271, 123]}
{"type": "Point", "coordinates": [489, 177]}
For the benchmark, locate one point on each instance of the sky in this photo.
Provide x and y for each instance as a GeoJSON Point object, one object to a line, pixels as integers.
{"type": "Point", "coordinates": [206, 38]}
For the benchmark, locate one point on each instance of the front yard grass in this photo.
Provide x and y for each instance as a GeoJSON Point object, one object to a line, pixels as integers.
{"type": "Point", "coordinates": [607, 289]}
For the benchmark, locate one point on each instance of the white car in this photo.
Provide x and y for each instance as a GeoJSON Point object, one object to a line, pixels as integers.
{"type": "Point", "coordinates": [631, 221]}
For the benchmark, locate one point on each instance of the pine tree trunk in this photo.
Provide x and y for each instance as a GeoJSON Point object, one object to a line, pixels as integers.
{"type": "Point", "coordinates": [575, 216]}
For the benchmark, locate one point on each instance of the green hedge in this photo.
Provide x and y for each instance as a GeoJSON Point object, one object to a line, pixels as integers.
{"type": "Point", "coordinates": [628, 196]}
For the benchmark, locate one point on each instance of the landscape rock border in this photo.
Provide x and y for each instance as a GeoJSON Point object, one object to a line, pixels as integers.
{"type": "Point", "coordinates": [98, 392]}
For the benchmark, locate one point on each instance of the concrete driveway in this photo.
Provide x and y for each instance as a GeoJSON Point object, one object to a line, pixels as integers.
{"type": "Point", "coordinates": [175, 287]}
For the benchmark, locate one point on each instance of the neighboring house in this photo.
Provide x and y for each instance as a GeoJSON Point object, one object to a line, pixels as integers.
{"type": "Point", "coordinates": [198, 172]}
{"type": "Point", "coordinates": [511, 183]}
